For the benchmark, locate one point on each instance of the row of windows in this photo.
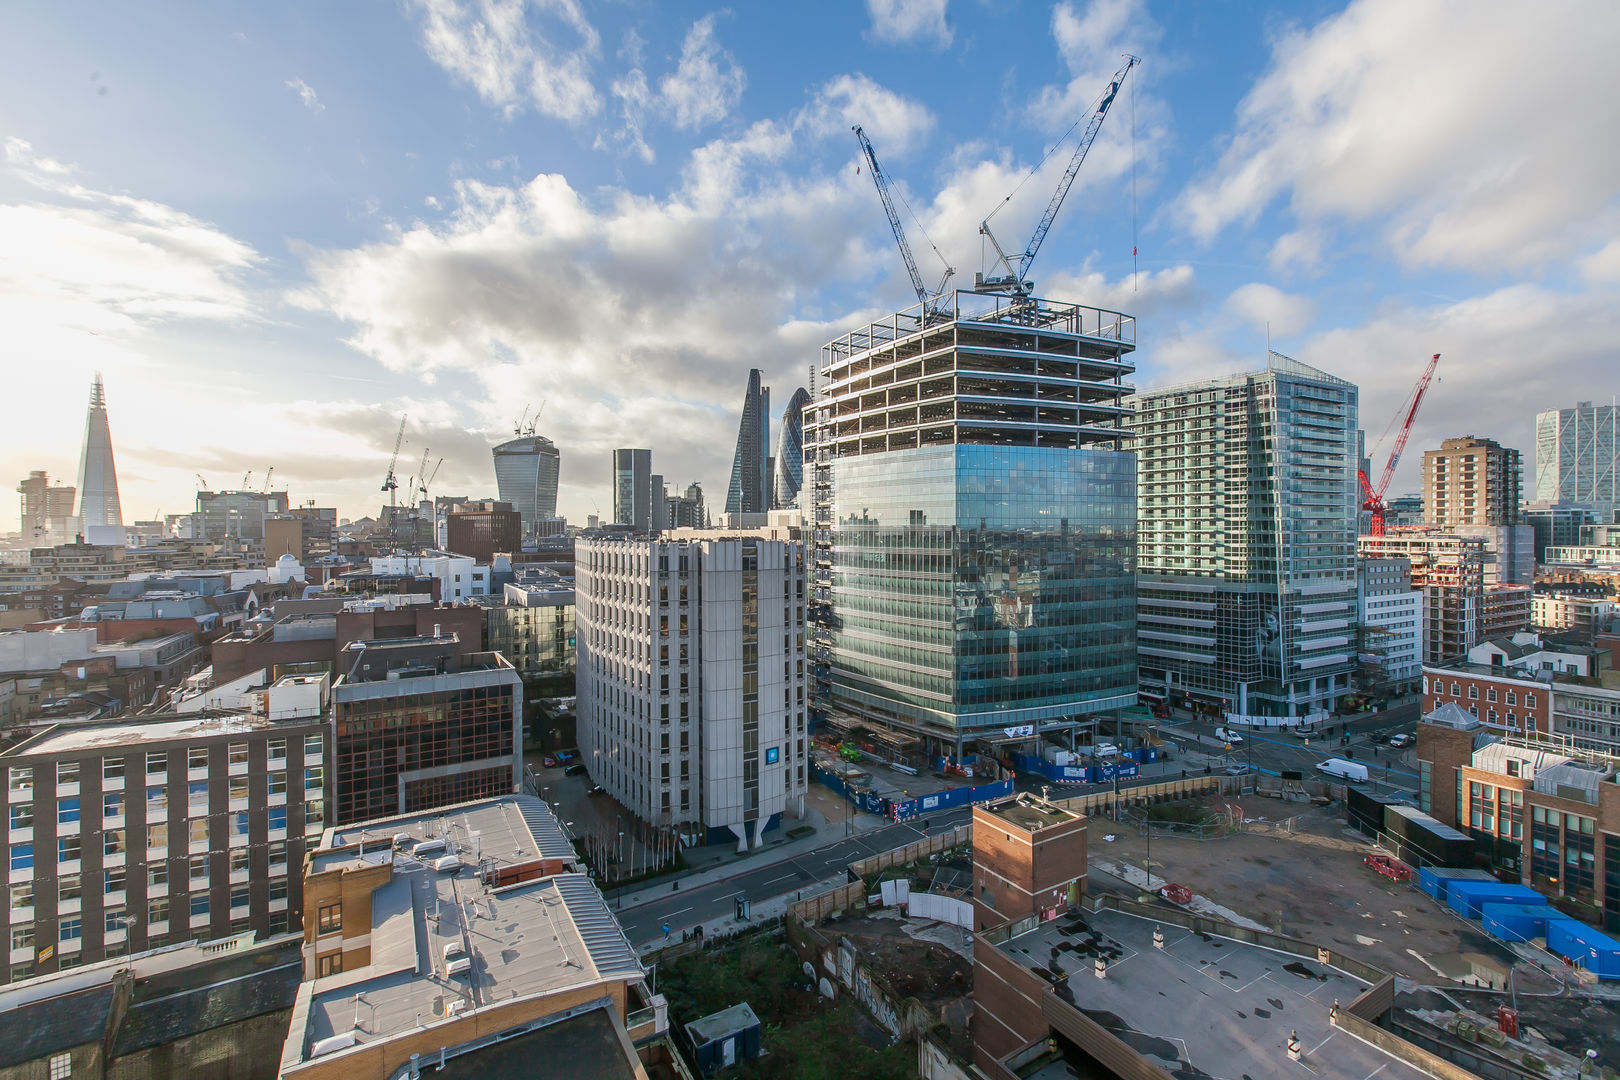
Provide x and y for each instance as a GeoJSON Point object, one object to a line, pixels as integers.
{"type": "Point", "coordinates": [237, 830]}
{"type": "Point", "coordinates": [21, 777]}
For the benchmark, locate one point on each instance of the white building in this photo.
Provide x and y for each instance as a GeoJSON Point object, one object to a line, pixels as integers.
{"type": "Point", "coordinates": [1391, 619]}
{"type": "Point", "coordinates": [691, 678]}
{"type": "Point", "coordinates": [459, 576]}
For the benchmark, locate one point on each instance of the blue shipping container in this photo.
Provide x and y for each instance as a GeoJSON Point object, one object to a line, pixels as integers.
{"type": "Point", "coordinates": [1432, 879]}
{"type": "Point", "coordinates": [1515, 922]}
{"type": "Point", "coordinates": [1592, 949]}
{"type": "Point", "coordinates": [1465, 897]}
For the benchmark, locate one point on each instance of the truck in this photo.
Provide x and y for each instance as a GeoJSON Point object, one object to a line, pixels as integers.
{"type": "Point", "coordinates": [1344, 770]}
{"type": "Point", "coordinates": [1228, 735]}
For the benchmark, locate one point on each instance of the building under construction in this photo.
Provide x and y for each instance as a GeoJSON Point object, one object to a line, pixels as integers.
{"type": "Point", "coordinates": [974, 512]}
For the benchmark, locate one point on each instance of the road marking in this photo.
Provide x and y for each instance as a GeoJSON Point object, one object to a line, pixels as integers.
{"type": "Point", "coordinates": [672, 914]}
{"type": "Point", "coordinates": [774, 880]}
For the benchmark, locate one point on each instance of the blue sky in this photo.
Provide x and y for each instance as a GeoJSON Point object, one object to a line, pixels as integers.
{"type": "Point", "coordinates": [277, 228]}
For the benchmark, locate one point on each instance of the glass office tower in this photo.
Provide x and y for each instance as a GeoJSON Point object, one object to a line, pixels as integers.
{"type": "Point", "coordinates": [526, 470]}
{"type": "Point", "coordinates": [975, 520]}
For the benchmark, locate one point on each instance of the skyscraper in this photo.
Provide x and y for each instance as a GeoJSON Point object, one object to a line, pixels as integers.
{"type": "Point", "coordinates": [1246, 540]}
{"type": "Point", "coordinates": [47, 511]}
{"type": "Point", "coordinates": [632, 488]}
{"type": "Point", "coordinates": [1471, 481]}
{"type": "Point", "coordinates": [975, 520]}
{"type": "Point", "coordinates": [1578, 458]}
{"type": "Point", "coordinates": [102, 518]}
{"type": "Point", "coordinates": [749, 492]}
{"type": "Point", "coordinates": [526, 470]}
{"type": "Point", "coordinates": [789, 469]}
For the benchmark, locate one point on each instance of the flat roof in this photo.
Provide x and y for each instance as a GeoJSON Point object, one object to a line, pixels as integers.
{"type": "Point", "coordinates": [527, 940]}
{"type": "Point", "coordinates": [507, 831]}
{"type": "Point", "coordinates": [718, 1025]}
{"type": "Point", "coordinates": [1203, 1005]}
{"type": "Point", "coordinates": [584, 1045]}
{"type": "Point", "coordinates": [139, 731]}
{"type": "Point", "coordinates": [1029, 813]}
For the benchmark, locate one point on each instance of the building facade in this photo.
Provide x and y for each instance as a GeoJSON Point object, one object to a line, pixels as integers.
{"type": "Point", "coordinates": [632, 488]}
{"type": "Point", "coordinates": [789, 461]}
{"type": "Point", "coordinates": [750, 489]}
{"type": "Point", "coordinates": [134, 834]}
{"type": "Point", "coordinates": [1450, 569]}
{"type": "Point", "coordinates": [417, 726]}
{"type": "Point", "coordinates": [1390, 617]}
{"type": "Point", "coordinates": [47, 513]}
{"type": "Point", "coordinates": [236, 515]}
{"type": "Point", "coordinates": [526, 472]}
{"type": "Point", "coordinates": [974, 514]}
{"type": "Point", "coordinates": [100, 515]}
{"type": "Point", "coordinates": [1246, 552]}
{"type": "Point", "coordinates": [1471, 481]}
{"type": "Point", "coordinates": [691, 679]}
{"type": "Point", "coordinates": [479, 530]}
{"type": "Point", "coordinates": [1577, 455]}
{"type": "Point", "coordinates": [1584, 615]}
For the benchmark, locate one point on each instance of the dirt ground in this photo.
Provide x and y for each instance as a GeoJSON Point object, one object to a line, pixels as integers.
{"type": "Point", "coordinates": [1311, 884]}
{"type": "Point", "coordinates": [929, 971]}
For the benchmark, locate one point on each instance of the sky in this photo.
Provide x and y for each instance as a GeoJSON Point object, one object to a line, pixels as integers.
{"type": "Point", "coordinates": [277, 229]}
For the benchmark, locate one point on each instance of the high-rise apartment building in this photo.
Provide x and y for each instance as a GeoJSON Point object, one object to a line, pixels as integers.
{"type": "Point", "coordinates": [100, 515]}
{"type": "Point", "coordinates": [526, 472]}
{"type": "Point", "coordinates": [691, 678]}
{"type": "Point", "coordinates": [1471, 481]}
{"type": "Point", "coordinates": [789, 468]}
{"type": "Point", "coordinates": [47, 516]}
{"type": "Point", "coordinates": [1246, 542]}
{"type": "Point", "coordinates": [418, 726]}
{"type": "Point", "coordinates": [1450, 569]}
{"type": "Point", "coordinates": [1578, 457]}
{"type": "Point", "coordinates": [134, 834]}
{"type": "Point", "coordinates": [749, 491]}
{"type": "Point", "coordinates": [632, 488]}
{"type": "Point", "coordinates": [974, 514]}
{"type": "Point", "coordinates": [1391, 624]}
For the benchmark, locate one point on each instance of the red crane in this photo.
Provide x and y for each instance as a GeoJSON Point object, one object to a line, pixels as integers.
{"type": "Point", "coordinates": [1373, 497]}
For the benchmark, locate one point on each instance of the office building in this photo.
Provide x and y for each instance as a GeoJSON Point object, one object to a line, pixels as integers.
{"type": "Point", "coordinates": [1471, 481]}
{"type": "Point", "coordinates": [1246, 543]}
{"type": "Point", "coordinates": [691, 679]}
{"type": "Point", "coordinates": [526, 472]}
{"type": "Point", "coordinates": [632, 489]}
{"type": "Point", "coordinates": [100, 516]}
{"type": "Point", "coordinates": [1390, 617]}
{"type": "Point", "coordinates": [789, 468]}
{"type": "Point", "coordinates": [749, 490]}
{"type": "Point", "coordinates": [1510, 552]}
{"type": "Point", "coordinates": [974, 518]}
{"type": "Point", "coordinates": [1561, 610]}
{"type": "Point", "coordinates": [304, 532]}
{"type": "Point", "coordinates": [132, 834]}
{"type": "Point", "coordinates": [460, 577]}
{"type": "Point", "coordinates": [1577, 460]}
{"type": "Point", "coordinates": [686, 511]}
{"type": "Point", "coordinates": [47, 516]}
{"type": "Point", "coordinates": [497, 967]}
{"type": "Point", "coordinates": [418, 725]}
{"type": "Point", "coordinates": [481, 529]}
{"type": "Point", "coordinates": [1450, 569]}
{"type": "Point", "coordinates": [1544, 810]}
{"type": "Point", "coordinates": [1555, 526]}
{"type": "Point", "coordinates": [237, 515]}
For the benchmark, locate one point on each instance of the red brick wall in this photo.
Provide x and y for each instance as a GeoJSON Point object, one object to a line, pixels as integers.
{"type": "Point", "coordinates": [1006, 1005]}
{"type": "Point", "coordinates": [1439, 690]}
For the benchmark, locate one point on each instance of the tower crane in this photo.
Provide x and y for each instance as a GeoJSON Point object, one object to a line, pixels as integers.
{"type": "Point", "coordinates": [246, 477]}
{"type": "Point", "coordinates": [268, 473]}
{"type": "Point", "coordinates": [202, 485]}
{"type": "Point", "coordinates": [517, 428]}
{"type": "Point", "coordinates": [1012, 280]}
{"type": "Point", "coordinates": [390, 484]}
{"type": "Point", "coordinates": [1372, 496]}
{"type": "Point", "coordinates": [882, 182]}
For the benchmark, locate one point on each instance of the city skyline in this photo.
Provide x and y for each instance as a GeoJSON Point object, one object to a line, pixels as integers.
{"type": "Point", "coordinates": [295, 267]}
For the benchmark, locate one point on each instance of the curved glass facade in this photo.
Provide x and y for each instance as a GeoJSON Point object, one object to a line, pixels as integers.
{"type": "Point", "coordinates": [526, 476]}
{"type": "Point", "coordinates": [789, 476]}
{"type": "Point", "coordinates": [976, 587]}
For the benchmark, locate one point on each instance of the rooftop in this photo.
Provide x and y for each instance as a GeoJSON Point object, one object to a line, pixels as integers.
{"type": "Point", "coordinates": [1029, 812]}
{"type": "Point", "coordinates": [725, 1022]}
{"type": "Point", "coordinates": [584, 1045]}
{"type": "Point", "coordinates": [1203, 1005]}
{"type": "Point", "coordinates": [138, 731]}
{"type": "Point", "coordinates": [508, 831]}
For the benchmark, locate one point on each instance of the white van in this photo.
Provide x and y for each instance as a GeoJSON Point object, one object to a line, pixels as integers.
{"type": "Point", "coordinates": [1103, 751]}
{"type": "Point", "coordinates": [1228, 735]}
{"type": "Point", "coordinates": [1344, 770]}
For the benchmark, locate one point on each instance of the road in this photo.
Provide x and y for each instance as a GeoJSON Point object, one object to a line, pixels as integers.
{"type": "Point", "coordinates": [1369, 745]}
{"type": "Point", "coordinates": [686, 907]}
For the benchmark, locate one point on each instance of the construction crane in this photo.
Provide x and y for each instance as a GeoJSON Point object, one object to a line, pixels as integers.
{"type": "Point", "coordinates": [268, 473]}
{"type": "Point", "coordinates": [390, 483]}
{"type": "Point", "coordinates": [517, 428]}
{"type": "Point", "coordinates": [246, 477]}
{"type": "Point", "coordinates": [1372, 496]}
{"type": "Point", "coordinates": [202, 485]}
{"type": "Point", "coordinates": [1014, 280]}
{"type": "Point", "coordinates": [429, 481]}
{"type": "Point", "coordinates": [882, 182]}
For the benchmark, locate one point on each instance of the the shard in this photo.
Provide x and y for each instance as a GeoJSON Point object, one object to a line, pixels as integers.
{"type": "Point", "coordinates": [102, 517]}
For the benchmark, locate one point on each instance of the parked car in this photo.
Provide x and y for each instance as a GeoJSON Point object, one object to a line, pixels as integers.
{"type": "Point", "coordinates": [575, 769]}
{"type": "Point", "coordinates": [1303, 732]}
{"type": "Point", "coordinates": [595, 790]}
{"type": "Point", "coordinates": [1402, 740]}
{"type": "Point", "coordinates": [1228, 735]}
{"type": "Point", "coordinates": [1236, 769]}
{"type": "Point", "coordinates": [549, 761]}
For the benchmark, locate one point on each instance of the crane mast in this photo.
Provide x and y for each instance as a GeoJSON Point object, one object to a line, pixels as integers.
{"type": "Point", "coordinates": [390, 482]}
{"type": "Point", "coordinates": [1013, 279]}
{"type": "Point", "coordinates": [1372, 497]}
{"type": "Point", "coordinates": [880, 179]}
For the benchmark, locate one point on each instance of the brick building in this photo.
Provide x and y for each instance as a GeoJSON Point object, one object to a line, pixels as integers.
{"type": "Point", "coordinates": [483, 529]}
{"type": "Point", "coordinates": [1029, 858]}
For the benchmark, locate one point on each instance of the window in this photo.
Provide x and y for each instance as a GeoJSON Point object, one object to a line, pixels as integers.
{"type": "Point", "coordinates": [239, 824]}
{"type": "Point", "coordinates": [61, 1066]}
{"type": "Point", "coordinates": [239, 753]}
{"type": "Point", "coordinates": [157, 836]}
{"type": "Point", "coordinates": [67, 811]}
{"type": "Point", "coordinates": [67, 772]}
{"type": "Point", "coordinates": [277, 783]}
{"type": "Point", "coordinates": [1490, 693]}
{"type": "Point", "coordinates": [197, 791]}
{"type": "Point", "coordinates": [112, 804]}
{"type": "Point", "coordinates": [312, 748]}
{"type": "Point", "coordinates": [22, 815]}
{"type": "Point", "coordinates": [1529, 700]}
{"type": "Point", "coordinates": [199, 867]}
{"type": "Point", "coordinates": [314, 814]}
{"type": "Point", "coordinates": [71, 929]}
{"type": "Point", "coordinates": [312, 778]}
{"type": "Point", "coordinates": [331, 964]}
{"type": "Point", "coordinates": [1512, 697]}
{"type": "Point", "coordinates": [1456, 689]}
{"type": "Point", "coordinates": [69, 887]}
{"type": "Point", "coordinates": [1473, 692]}
{"type": "Point", "coordinates": [157, 763]}
{"type": "Point", "coordinates": [67, 849]}
{"type": "Point", "coordinates": [22, 937]}
{"type": "Point", "coordinates": [278, 749]}
{"type": "Point", "coordinates": [197, 757]}
{"type": "Point", "coordinates": [112, 881]}
{"type": "Point", "coordinates": [157, 875]}
{"type": "Point", "coordinates": [329, 919]}
{"type": "Point", "coordinates": [239, 789]}
{"type": "Point", "coordinates": [115, 920]}
{"type": "Point", "coordinates": [278, 889]}
{"type": "Point", "coordinates": [112, 842]}
{"type": "Point", "coordinates": [157, 802]}
{"type": "Point", "coordinates": [157, 911]}
{"type": "Point", "coordinates": [239, 859]}
{"type": "Point", "coordinates": [199, 904]}
{"type": "Point", "coordinates": [112, 768]}
{"type": "Point", "coordinates": [278, 818]}
{"type": "Point", "coordinates": [22, 895]}
{"type": "Point", "coordinates": [239, 896]}
{"type": "Point", "coordinates": [21, 778]}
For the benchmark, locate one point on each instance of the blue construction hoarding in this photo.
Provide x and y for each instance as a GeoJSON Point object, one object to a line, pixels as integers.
{"type": "Point", "coordinates": [1123, 767]}
{"type": "Point", "coordinates": [902, 810]}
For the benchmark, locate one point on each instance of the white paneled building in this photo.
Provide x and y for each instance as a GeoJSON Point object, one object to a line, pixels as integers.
{"type": "Point", "coordinates": [691, 678]}
{"type": "Point", "coordinates": [1391, 620]}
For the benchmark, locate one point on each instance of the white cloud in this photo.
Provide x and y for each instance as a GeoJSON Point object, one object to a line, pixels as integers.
{"type": "Point", "coordinates": [893, 122]}
{"type": "Point", "coordinates": [1603, 264]}
{"type": "Point", "coordinates": [706, 84]}
{"type": "Point", "coordinates": [1265, 306]}
{"type": "Point", "coordinates": [496, 48]}
{"type": "Point", "coordinates": [1424, 120]}
{"type": "Point", "coordinates": [306, 94]}
{"type": "Point", "coordinates": [910, 21]}
{"type": "Point", "coordinates": [1301, 248]}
